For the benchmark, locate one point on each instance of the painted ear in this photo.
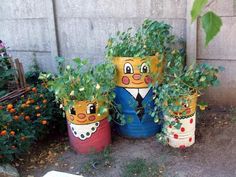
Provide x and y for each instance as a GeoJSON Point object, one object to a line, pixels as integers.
{"type": "Point", "coordinates": [72, 111]}
{"type": "Point", "coordinates": [91, 108]}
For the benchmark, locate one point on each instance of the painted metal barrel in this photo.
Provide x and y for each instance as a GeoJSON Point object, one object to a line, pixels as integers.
{"type": "Point", "coordinates": [134, 96]}
{"type": "Point", "coordinates": [185, 136]}
{"type": "Point", "coordinates": [88, 131]}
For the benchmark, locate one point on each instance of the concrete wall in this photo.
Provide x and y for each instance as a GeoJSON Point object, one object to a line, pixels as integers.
{"type": "Point", "coordinates": [83, 27]}
{"type": "Point", "coordinates": [221, 52]}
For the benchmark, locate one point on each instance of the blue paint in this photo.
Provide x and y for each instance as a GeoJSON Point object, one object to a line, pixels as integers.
{"type": "Point", "coordinates": [136, 128]}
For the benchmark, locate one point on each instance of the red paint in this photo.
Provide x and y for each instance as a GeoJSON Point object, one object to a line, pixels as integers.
{"type": "Point", "coordinates": [81, 115]}
{"type": "Point", "coordinates": [182, 146]}
{"type": "Point", "coordinates": [71, 117]}
{"type": "Point", "coordinates": [170, 126]}
{"type": "Point", "coordinates": [190, 139]}
{"type": "Point", "coordinates": [188, 110]}
{"type": "Point", "coordinates": [148, 80]}
{"type": "Point", "coordinates": [182, 129]}
{"type": "Point", "coordinates": [92, 118]}
{"type": "Point", "coordinates": [97, 142]}
{"type": "Point", "coordinates": [125, 80]}
{"type": "Point", "coordinates": [176, 136]}
{"type": "Point", "coordinates": [137, 76]}
{"type": "Point", "coordinates": [191, 121]}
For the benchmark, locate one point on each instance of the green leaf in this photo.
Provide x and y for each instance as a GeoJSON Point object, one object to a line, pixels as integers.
{"type": "Point", "coordinates": [211, 23]}
{"type": "Point", "coordinates": [197, 8]}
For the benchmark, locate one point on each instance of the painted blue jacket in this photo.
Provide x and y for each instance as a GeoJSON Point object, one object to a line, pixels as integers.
{"type": "Point", "coordinates": [136, 127]}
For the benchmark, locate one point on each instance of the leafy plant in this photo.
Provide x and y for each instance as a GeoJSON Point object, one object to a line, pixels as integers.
{"type": "Point", "coordinates": [26, 120]}
{"type": "Point", "coordinates": [211, 23]}
{"type": "Point", "coordinates": [85, 82]}
{"type": "Point", "coordinates": [181, 82]}
{"type": "Point", "coordinates": [6, 72]}
{"type": "Point", "coordinates": [151, 38]}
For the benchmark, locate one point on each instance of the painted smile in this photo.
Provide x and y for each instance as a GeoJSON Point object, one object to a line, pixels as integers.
{"type": "Point", "coordinates": [81, 121]}
{"type": "Point", "coordinates": [137, 82]}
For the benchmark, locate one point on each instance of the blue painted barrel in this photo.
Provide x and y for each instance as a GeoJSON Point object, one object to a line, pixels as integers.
{"type": "Point", "coordinates": [137, 126]}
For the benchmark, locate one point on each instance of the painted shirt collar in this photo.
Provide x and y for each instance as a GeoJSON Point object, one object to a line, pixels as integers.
{"type": "Point", "coordinates": [134, 91]}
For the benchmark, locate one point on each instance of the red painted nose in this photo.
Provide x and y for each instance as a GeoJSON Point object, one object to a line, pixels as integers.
{"type": "Point", "coordinates": [136, 76]}
{"type": "Point", "coordinates": [81, 116]}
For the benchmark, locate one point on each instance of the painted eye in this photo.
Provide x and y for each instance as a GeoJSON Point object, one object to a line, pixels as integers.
{"type": "Point", "coordinates": [186, 105]}
{"type": "Point", "coordinates": [144, 68]}
{"type": "Point", "coordinates": [128, 69]}
{"type": "Point", "coordinates": [91, 109]}
{"type": "Point", "coordinates": [72, 111]}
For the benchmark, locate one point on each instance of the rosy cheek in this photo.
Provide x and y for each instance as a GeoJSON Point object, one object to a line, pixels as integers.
{"type": "Point", "coordinates": [71, 117]}
{"type": "Point", "coordinates": [91, 118]}
{"type": "Point", "coordinates": [125, 80]}
{"type": "Point", "coordinates": [188, 110]}
{"type": "Point", "coordinates": [148, 79]}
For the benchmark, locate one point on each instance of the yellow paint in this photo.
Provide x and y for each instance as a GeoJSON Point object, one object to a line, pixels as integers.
{"type": "Point", "coordinates": [189, 108]}
{"type": "Point", "coordinates": [154, 64]}
{"type": "Point", "coordinates": [82, 116]}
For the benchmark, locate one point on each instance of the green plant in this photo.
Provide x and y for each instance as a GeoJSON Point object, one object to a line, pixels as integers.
{"type": "Point", "coordinates": [140, 168]}
{"type": "Point", "coordinates": [211, 23]}
{"type": "Point", "coordinates": [33, 75]}
{"type": "Point", "coordinates": [179, 83]}
{"type": "Point", "coordinates": [6, 71]}
{"type": "Point", "coordinates": [85, 82]}
{"type": "Point", "coordinates": [151, 38]}
{"type": "Point", "coordinates": [27, 119]}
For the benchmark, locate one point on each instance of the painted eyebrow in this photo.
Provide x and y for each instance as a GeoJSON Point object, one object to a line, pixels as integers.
{"type": "Point", "coordinates": [129, 60]}
{"type": "Point", "coordinates": [143, 59]}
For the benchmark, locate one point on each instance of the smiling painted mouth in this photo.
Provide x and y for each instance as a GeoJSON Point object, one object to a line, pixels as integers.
{"type": "Point", "coordinates": [81, 121]}
{"type": "Point", "coordinates": [137, 82]}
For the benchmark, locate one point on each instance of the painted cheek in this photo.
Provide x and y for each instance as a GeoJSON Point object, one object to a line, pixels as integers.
{"type": "Point", "coordinates": [188, 110]}
{"type": "Point", "coordinates": [125, 80]}
{"type": "Point", "coordinates": [71, 117]}
{"type": "Point", "coordinates": [148, 80]}
{"type": "Point", "coordinates": [91, 118]}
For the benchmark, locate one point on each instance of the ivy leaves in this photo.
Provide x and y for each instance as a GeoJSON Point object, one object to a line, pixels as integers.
{"type": "Point", "coordinates": [211, 23]}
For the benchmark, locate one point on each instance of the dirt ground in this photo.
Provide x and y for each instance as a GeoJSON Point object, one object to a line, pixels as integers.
{"type": "Point", "coordinates": [213, 154]}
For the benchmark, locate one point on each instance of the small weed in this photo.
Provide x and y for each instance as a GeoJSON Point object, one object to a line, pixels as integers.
{"type": "Point", "coordinates": [97, 161]}
{"type": "Point", "coordinates": [140, 168]}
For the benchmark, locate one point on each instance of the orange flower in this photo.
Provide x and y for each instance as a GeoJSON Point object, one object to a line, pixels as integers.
{"type": "Point", "coordinates": [31, 101]}
{"type": "Point", "coordinates": [12, 133]}
{"type": "Point", "coordinates": [38, 115]}
{"type": "Point", "coordinates": [28, 88]}
{"type": "Point", "coordinates": [22, 113]}
{"type": "Point", "coordinates": [23, 138]}
{"type": "Point", "coordinates": [9, 106]}
{"type": "Point", "coordinates": [41, 95]}
{"type": "Point", "coordinates": [37, 107]}
{"type": "Point", "coordinates": [44, 122]}
{"type": "Point", "coordinates": [12, 110]}
{"type": "Point", "coordinates": [16, 117]}
{"type": "Point", "coordinates": [3, 133]}
{"type": "Point", "coordinates": [44, 101]}
{"type": "Point", "coordinates": [34, 89]}
{"type": "Point", "coordinates": [1, 107]}
{"type": "Point", "coordinates": [27, 118]}
{"type": "Point", "coordinates": [28, 102]}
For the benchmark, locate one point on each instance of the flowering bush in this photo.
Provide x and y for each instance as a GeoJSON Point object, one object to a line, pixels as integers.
{"type": "Point", "coordinates": [27, 119]}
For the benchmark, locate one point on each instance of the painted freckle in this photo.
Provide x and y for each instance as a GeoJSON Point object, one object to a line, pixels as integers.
{"type": "Point", "coordinates": [125, 80]}
{"type": "Point", "coordinates": [182, 129]}
{"type": "Point", "coordinates": [190, 139]}
{"type": "Point", "coordinates": [170, 126]}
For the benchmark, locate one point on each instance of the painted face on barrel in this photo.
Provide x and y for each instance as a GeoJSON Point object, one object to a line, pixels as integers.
{"type": "Point", "coordinates": [135, 72]}
{"type": "Point", "coordinates": [84, 113]}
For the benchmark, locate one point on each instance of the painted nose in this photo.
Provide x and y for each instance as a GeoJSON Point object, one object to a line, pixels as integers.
{"type": "Point", "coordinates": [136, 76]}
{"type": "Point", "coordinates": [81, 116]}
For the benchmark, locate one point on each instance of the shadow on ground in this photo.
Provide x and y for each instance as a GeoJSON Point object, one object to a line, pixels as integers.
{"type": "Point", "coordinates": [213, 154]}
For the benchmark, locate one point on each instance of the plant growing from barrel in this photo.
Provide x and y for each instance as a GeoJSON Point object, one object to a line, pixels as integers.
{"type": "Point", "coordinates": [84, 83]}
{"type": "Point", "coordinates": [179, 85]}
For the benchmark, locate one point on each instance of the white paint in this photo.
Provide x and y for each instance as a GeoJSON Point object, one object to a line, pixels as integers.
{"type": "Point", "coordinates": [80, 131]}
{"type": "Point", "coordinates": [142, 91]}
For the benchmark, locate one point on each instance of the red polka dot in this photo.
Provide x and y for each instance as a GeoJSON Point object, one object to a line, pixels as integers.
{"type": "Point", "coordinates": [170, 126]}
{"type": "Point", "coordinates": [190, 139]}
{"type": "Point", "coordinates": [182, 129]}
{"type": "Point", "coordinates": [182, 146]}
{"type": "Point", "coordinates": [191, 121]}
{"type": "Point", "coordinates": [176, 136]}
{"type": "Point", "coordinates": [125, 80]}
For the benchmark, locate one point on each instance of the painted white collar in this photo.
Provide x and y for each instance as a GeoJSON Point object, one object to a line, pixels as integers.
{"type": "Point", "coordinates": [134, 91]}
